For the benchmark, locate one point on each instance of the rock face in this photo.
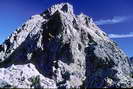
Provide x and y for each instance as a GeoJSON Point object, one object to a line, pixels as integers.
{"type": "Point", "coordinates": [58, 49]}
{"type": "Point", "coordinates": [131, 64]}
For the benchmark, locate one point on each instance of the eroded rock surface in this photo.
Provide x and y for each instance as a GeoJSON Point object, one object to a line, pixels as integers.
{"type": "Point", "coordinates": [65, 50]}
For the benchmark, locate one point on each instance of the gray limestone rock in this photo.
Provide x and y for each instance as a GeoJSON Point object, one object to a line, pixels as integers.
{"type": "Point", "coordinates": [58, 49]}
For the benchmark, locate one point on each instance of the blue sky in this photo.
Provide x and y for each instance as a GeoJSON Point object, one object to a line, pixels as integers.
{"type": "Point", "coordinates": [115, 17]}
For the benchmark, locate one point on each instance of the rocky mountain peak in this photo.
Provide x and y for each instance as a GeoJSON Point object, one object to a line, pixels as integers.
{"type": "Point", "coordinates": [58, 49]}
{"type": "Point", "coordinates": [63, 7]}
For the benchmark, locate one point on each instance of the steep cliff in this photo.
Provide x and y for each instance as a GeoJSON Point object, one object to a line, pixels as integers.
{"type": "Point", "coordinates": [58, 49]}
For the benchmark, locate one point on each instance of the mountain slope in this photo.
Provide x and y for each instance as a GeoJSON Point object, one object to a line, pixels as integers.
{"type": "Point", "coordinates": [65, 50]}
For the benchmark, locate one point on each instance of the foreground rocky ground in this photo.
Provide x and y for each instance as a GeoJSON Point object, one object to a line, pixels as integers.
{"type": "Point", "coordinates": [58, 49]}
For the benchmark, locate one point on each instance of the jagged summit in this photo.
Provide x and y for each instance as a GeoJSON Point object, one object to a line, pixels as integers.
{"type": "Point", "coordinates": [64, 7]}
{"type": "Point", "coordinates": [58, 49]}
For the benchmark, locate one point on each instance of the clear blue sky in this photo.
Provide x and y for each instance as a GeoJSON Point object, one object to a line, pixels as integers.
{"type": "Point", "coordinates": [113, 16]}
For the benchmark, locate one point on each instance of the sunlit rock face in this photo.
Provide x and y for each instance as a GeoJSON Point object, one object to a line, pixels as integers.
{"type": "Point", "coordinates": [58, 49]}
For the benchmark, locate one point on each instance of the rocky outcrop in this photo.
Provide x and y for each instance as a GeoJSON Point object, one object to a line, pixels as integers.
{"type": "Point", "coordinates": [58, 49]}
{"type": "Point", "coordinates": [24, 76]}
{"type": "Point", "coordinates": [131, 64]}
